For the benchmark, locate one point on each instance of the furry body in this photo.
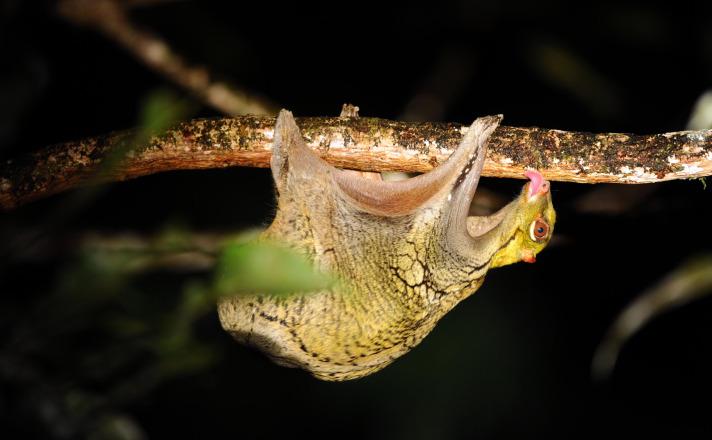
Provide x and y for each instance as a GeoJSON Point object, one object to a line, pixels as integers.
{"type": "Point", "coordinates": [405, 254]}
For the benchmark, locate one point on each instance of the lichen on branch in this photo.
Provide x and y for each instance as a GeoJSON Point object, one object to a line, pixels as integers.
{"type": "Point", "coordinates": [366, 144]}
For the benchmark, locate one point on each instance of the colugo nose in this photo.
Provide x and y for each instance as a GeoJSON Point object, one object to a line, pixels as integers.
{"type": "Point", "coordinates": [537, 184]}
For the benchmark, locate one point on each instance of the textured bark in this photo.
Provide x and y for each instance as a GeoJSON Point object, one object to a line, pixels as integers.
{"type": "Point", "coordinates": [366, 144]}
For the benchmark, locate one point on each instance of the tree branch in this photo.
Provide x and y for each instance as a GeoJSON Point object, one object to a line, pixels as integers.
{"type": "Point", "coordinates": [111, 18]}
{"type": "Point", "coordinates": [367, 144]}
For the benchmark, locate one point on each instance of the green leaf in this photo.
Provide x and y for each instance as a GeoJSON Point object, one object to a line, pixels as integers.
{"type": "Point", "coordinates": [160, 110]}
{"type": "Point", "coordinates": [267, 268]}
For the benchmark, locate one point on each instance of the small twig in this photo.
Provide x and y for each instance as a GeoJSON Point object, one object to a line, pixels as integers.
{"type": "Point", "coordinates": [690, 282]}
{"type": "Point", "coordinates": [111, 18]}
{"type": "Point", "coordinates": [366, 144]}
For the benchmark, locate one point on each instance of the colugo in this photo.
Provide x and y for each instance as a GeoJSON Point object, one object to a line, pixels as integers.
{"type": "Point", "coordinates": [405, 254]}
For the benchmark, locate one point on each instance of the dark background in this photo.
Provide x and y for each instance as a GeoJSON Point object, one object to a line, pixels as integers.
{"type": "Point", "coordinates": [513, 360]}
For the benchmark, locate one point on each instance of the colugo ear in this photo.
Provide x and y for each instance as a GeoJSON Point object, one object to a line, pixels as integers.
{"type": "Point", "coordinates": [453, 182]}
{"type": "Point", "coordinates": [290, 155]}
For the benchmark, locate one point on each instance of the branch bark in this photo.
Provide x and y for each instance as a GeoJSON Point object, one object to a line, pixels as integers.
{"type": "Point", "coordinates": [366, 144]}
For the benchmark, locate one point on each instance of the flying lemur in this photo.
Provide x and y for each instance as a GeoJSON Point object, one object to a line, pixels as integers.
{"type": "Point", "coordinates": [405, 253]}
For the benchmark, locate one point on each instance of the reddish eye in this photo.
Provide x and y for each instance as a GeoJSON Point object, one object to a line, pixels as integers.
{"type": "Point", "coordinates": [539, 230]}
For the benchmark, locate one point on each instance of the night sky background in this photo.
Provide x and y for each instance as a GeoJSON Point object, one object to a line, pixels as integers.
{"type": "Point", "coordinates": [512, 361]}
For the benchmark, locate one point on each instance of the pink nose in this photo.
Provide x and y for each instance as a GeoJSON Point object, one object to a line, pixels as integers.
{"type": "Point", "coordinates": [537, 185]}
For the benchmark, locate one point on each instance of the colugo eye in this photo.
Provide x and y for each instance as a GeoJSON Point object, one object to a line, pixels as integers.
{"type": "Point", "coordinates": [539, 230]}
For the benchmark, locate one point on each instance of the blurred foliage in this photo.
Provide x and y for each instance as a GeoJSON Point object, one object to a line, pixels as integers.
{"type": "Point", "coordinates": [104, 336]}
{"type": "Point", "coordinates": [122, 316]}
{"type": "Point", "coordinates": [160, 109]}
{"type": "Point", "coordinates": [266, 267]}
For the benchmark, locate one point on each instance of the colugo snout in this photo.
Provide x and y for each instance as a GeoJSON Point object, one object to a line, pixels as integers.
{"type": "Point", "coordinates": [405, 253]}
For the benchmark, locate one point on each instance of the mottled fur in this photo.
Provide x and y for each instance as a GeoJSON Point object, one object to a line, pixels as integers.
{"type": "Point", "coordinates": [405, 254]}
